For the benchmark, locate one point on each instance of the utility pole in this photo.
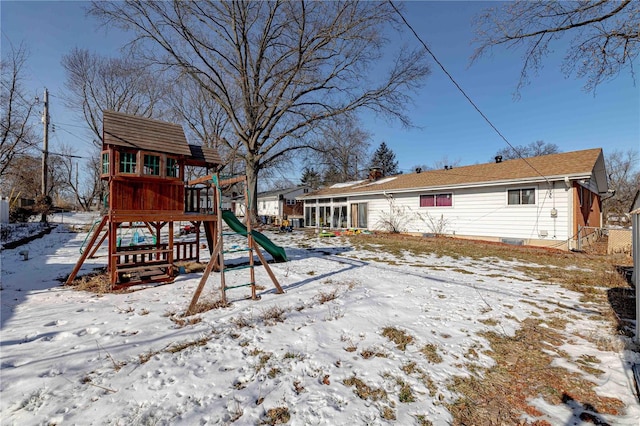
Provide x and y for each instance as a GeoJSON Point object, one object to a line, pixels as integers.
{"type": "Point", "coordinates": [45, 151]}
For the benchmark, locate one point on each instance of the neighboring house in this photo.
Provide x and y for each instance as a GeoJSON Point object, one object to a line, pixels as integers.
{"type": "Point", "coordinates": [551, 200]}
{"type": "Point", "coordinates": [282, 203]}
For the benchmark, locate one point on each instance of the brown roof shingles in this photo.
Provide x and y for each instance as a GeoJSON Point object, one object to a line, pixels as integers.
{"type": "Point", "coordinates": [153, 135]}
{"type": "Point", "coordinates": [553, 165]}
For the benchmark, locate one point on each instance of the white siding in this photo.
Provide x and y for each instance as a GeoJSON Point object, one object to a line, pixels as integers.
{"type": "Point", "coordinates": [268, 207]}
{"type": "Point", "coordinates": [481, 212]}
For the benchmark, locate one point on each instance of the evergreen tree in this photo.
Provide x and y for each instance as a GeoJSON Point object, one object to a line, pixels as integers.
{"type": "Point", "coordinates": [385, 159]}
{"type": "Point", "coordinates": [310, 178]}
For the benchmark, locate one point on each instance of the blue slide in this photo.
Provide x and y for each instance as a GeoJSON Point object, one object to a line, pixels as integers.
{"type": "Point", "coordinates": [277, 252]}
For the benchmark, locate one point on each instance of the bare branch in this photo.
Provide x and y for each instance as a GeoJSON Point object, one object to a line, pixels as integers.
{"type": "Point", "coordinates": [606, 36]}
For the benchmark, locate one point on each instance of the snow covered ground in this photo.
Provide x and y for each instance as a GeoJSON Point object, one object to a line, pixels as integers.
{"type": "Point", "coordinates": [71, 357]}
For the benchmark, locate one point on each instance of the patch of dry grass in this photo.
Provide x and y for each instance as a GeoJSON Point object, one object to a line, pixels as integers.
{"type": "Point", "coordinates": [326, 296]}
{"type": "Point", "coordinates": [373, 352]}
{"type": "Point", "coordinates": [273, 315]}
{"type": "Point", "coordinates": [397, 336]}
{"type": "Point", "coordinates": [499, 394]}
{"type": "Point", "coordinates": [522, 370]}
{"type": "Point", "coordinates": [364, 391]}
{"type": "Point", "coordinates": [208, 305]}
{"type": "Point", "coordinates": [96, 282]}
{"type": "Point", "coordinates": [178, 347]}
{"type": "Point", "coordinates": [430, 351]}
{"type": "Point", "coordinates": [276, 416]}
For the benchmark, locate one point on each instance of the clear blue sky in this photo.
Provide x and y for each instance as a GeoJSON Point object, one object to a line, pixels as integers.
{"type": "Point", "coordinates": [552, 108]}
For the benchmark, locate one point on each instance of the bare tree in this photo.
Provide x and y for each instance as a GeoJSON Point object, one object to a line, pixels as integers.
{"type": "Point", "coordinates": [278, 69]}
{"type": "Point", "coordinates": [624, 179]}
{"type": "Point", "coordinates": [341, 149]}
{"type": "Point", "coordinates": [534, 149]}
{"type": "Point", "coordinates": [16, 129]}
{"type": "Point", "coordinates": [83, 191]}
{"type": "Point", "coordinates": [96, 83]}
{"type": "Point", "coordinates": [605, 35]}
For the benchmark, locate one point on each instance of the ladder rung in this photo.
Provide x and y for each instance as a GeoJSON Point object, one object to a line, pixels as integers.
{"type": "Point", "coordinates": [239, 285]}
{"type": "Point", "coordinates": [232, 268]}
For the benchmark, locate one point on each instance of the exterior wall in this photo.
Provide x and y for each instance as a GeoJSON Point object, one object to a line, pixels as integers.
{"type": "Point", "coordinates": [587, 208]}
{"type": "Point", "coordinates": [484, 212]}
{"type": "Point", "coordinates": [268, 207]}
{"type": "Point", "coordinates": [273, 205]}
{"type": "Point", "coordinates": [481, 213]}
{"type": "Point", "coordinates": [147, 195]}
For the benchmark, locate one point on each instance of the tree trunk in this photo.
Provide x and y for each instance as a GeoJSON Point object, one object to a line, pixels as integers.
{"type": "Point", "coordinates": [252, 168]}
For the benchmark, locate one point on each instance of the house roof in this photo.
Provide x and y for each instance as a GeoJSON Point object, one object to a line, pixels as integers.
{"type": "Point", "coordinates": [153, 135]}
{"type": "Point", "coordinates": [574, 165]}
{"type": "Point", "coordinates": [277, 192]}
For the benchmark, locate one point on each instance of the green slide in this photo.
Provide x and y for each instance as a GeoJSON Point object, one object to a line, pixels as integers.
{"type": "Point", "coordinates": [278, 253]}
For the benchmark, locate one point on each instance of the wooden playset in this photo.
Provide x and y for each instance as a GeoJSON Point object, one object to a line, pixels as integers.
{"type": "Point", "coordinates": [144, 162]}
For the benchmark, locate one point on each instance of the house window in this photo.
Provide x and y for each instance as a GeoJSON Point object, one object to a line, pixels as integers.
{"type": "Point", "coordinates": [309, 216]}
{"type": "Point", "coordinates": [152, 165]}
{"type": "Point", "coordinates": [127, 162]}
{"type": "Point", "coordinates": [291, 202]}
{"type": "Point", "coordinates": [172, 168]}
{"type": "Point", "coordinates": [105, 163]}
{"type": "Point", "coordinates": [324, 216]}
{"type": "Point", "coordinates": [521, 196]}
{"type": "Point", "coordinates": [437, 200]}
{"type": "Point", "coordinates": [359, 215]}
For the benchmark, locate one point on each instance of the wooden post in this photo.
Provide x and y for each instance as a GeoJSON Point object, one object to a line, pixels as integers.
{"type": "Point", "coordinates": [203, 280]}
{"type": "Point", "coordinates": [268, 268]}
{"type": "Point", "coordinates": [97, 246]}
{"type": "Point", "coordinates": [250, 244]}
{"type": "Point", "coordinates": [113, 234]}
{"type": "Point", "coordinates": [86, 252]}
{"type": "Point", "coordinates": [170, 254]}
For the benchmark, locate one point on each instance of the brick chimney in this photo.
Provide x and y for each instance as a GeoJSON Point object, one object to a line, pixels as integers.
{"type": "Point", "coordinates": [375, 173]}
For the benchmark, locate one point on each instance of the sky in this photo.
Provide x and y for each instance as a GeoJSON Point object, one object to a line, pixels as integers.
{"type": "Point", "coordinates": [553, 108]}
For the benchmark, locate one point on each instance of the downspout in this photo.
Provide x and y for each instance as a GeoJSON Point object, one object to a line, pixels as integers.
{"type": "Point", "coordinates": [570, 215]}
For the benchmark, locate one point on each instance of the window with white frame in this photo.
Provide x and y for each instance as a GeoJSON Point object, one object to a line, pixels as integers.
{"type": "Point", "coordinates": [359, 215]}
{"type": "Point", "coordinates": [521, 196]}
{"type": "Point", "coordinates": [437, 200]}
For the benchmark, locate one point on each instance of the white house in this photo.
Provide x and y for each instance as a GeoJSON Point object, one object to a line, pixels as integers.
{"type": "Point", "coordinates": [279, 204]}
{"type": "Point", "coordinates": [552, 200]}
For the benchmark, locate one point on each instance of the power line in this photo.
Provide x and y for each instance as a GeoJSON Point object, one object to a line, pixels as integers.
{"type": "Point", "coordinates": [455, 83]}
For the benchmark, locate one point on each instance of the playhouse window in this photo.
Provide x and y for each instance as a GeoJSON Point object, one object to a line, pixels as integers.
{"type": "Point", "coordinates": [127, 162]}
{"type": "Point", "coordinates": [151, 165]}
{"type": "Point", "coordinates": [436, 200]}
{"type": "Point", "coordinates": [105, 163]}
{"type": "Point", "coordinates": [172, 168]}
{"type": "Point", "coordinates": [521, 196]}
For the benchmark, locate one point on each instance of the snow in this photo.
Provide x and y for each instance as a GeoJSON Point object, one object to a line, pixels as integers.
{"type": "Point", "coordinates": [71, 357]}
{"type": "Point", "coordinates": [381, 181]}
{"type": "Point", "coordinates": [346, 184]}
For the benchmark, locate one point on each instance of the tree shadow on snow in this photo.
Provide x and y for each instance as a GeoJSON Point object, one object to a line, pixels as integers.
{"type": "Point", "coordinates": [24, 275]}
